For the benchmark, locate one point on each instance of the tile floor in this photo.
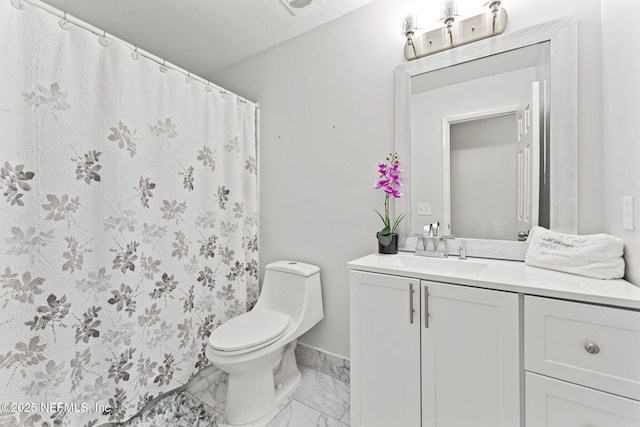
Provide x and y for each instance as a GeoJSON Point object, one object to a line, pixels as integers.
{"type": "Point", "coordinates": [319, 401]}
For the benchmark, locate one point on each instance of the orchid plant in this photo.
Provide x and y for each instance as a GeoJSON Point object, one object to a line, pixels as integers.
{"type": "Point", "coordinates": [389, 179]}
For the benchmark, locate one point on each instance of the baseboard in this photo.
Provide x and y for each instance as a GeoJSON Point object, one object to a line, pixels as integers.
{"type": "Point", "coordinates": [323, 361]}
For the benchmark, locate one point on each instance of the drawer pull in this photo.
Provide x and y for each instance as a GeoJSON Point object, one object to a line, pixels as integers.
{"type": "Point", "coordinates": [592, 348]}
{"type": "Point", "coordinates": [411, 310]}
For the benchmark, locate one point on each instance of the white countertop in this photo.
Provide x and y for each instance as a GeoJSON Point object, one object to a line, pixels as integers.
{"type": "Point", "coordinates": [513, 276]}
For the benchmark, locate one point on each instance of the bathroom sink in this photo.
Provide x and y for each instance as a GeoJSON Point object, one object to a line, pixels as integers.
{"type": "Point", "coordinates": [437, 265]}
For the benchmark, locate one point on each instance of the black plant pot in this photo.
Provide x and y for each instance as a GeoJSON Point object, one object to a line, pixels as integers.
{"type": "Point", "coordinates": [391, 248]}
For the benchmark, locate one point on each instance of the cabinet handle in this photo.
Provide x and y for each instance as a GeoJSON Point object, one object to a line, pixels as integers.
{"type": "Point", "coordinates": [426, 306]}
{"type": "Point", "coordinates": [592, 348]}
{"type": "Point", "coordinates": [411, 303]}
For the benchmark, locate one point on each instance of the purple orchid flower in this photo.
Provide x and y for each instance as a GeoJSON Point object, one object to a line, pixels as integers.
{"type": "Point", "coordinates": [389, 179]}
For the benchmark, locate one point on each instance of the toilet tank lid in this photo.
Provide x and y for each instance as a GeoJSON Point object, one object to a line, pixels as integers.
{"type": "Point", "coordinates": [293, 267]}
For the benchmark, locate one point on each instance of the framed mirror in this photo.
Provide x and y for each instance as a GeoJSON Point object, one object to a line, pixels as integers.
{"type": "Point", "coordinates": [487, 136]}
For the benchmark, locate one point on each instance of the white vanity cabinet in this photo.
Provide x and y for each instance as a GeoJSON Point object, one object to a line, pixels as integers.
{"type": "Point", "coordinates": [432, 354]}
{"type": "Point", "coordinates": [385, 349]}
{"type": "Point", "coordinates": [490, 343]}
{"type": "Point", "coordinates": [582, 364]}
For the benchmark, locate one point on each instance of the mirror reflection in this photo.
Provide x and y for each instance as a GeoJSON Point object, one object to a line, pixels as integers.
{"type": "Point", "coordinates": [479, 146]}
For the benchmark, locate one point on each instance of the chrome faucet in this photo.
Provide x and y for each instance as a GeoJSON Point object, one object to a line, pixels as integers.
{"type": "Point", "coordinates": [430, 237]}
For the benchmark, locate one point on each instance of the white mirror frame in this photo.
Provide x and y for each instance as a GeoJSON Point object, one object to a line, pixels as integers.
{"type": "Point", "coordinates": [563, 121]}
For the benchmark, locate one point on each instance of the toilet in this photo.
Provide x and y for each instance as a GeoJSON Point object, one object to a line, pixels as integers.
{"type": "Point", "coordinates": [257, 348]}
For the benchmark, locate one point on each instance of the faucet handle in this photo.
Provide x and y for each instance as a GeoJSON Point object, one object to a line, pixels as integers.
{"type": "Point", "coordinates": [435, 226]}
{"type": "Point", "coordinates": [462, 252]}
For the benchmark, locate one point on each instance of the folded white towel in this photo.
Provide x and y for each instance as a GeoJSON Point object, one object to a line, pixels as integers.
{"type": "Point", "coordinates": [595, 255]}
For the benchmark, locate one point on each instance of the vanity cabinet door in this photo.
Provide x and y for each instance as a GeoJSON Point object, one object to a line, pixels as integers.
{"type": "Point", "coordinates": [555, 403]}
{"type": "Point", "coordinates": [470, 357]}
{"type": "Point", "coordinates": [385, 350]}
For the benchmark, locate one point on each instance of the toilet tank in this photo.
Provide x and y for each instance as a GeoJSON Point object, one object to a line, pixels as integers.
{"type": "Point", "coordinates": [293, 288]}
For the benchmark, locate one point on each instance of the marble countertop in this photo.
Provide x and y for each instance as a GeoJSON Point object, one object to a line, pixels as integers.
{"type": "Point", "coordinates": [513, 276]}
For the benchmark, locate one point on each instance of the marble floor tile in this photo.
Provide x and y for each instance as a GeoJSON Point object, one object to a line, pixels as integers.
{"type": "Point", "coordinates": [319, 401]}
{"type": "Point", "coordinates": [297, 414]}
{"type": "Point", "coordinates": [210, 389]}
{"type": "Point", "coordinates": [323, 393]}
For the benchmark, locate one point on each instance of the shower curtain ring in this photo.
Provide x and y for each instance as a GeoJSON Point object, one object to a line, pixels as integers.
{"type": "Point", "coordinates": [64, 24]}
{"type": "Point", "coordinates": [104, 41]}
{"type": "Point", "coordinates": [163, 67]}
{"type": "Point", "coordinates": [188, 78]}
{"type": "Point", "coordinates": [134, 54]}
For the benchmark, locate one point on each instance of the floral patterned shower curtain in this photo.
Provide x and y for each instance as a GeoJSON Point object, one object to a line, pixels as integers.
{"type": "Point", "coordinates": [128, 222]}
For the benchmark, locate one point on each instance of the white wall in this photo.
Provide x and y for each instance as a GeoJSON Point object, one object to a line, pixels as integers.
{"type": "Point", "coordinates": [621, 88]}
{"type": "Point", "coordinates": [327, 100]}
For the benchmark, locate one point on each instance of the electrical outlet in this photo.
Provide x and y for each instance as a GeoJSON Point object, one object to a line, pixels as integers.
{"type": "Point", "coordinates": [424, 209]}
{"type": "Point", "coordinates": [628, 222]}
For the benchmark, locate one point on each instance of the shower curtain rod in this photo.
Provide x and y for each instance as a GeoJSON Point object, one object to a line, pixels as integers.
{"type": "Point", "coordinates": [135, 49]}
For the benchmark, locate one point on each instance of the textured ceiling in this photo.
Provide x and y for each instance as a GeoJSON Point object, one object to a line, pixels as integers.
{"type": "Point", "coordinates": [203, 36]}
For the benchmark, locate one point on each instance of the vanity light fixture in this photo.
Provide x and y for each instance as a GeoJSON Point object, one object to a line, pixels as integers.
{"type": "Point", "coordinates": [454, 32]}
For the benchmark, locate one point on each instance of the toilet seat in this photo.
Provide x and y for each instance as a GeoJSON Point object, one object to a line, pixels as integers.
{"type": "Point", "coordinates": [251, 330]}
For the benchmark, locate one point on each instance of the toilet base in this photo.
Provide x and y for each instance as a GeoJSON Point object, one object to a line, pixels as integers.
{"type": "Point", "coordinates": [253, 394]}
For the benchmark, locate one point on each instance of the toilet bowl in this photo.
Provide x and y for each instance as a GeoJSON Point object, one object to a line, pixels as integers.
{"type": "Point", "coordinates": [257, 348]}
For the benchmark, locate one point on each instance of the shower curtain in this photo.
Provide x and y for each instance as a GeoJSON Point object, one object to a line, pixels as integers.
{"type": "Point", "coordinates": [128, 222]}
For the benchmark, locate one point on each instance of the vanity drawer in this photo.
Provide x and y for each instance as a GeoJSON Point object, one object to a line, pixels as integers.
{"type": "Point", "coordinates": [594, 346]}
{"type": "Point", "coordinates": [555, 403]}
